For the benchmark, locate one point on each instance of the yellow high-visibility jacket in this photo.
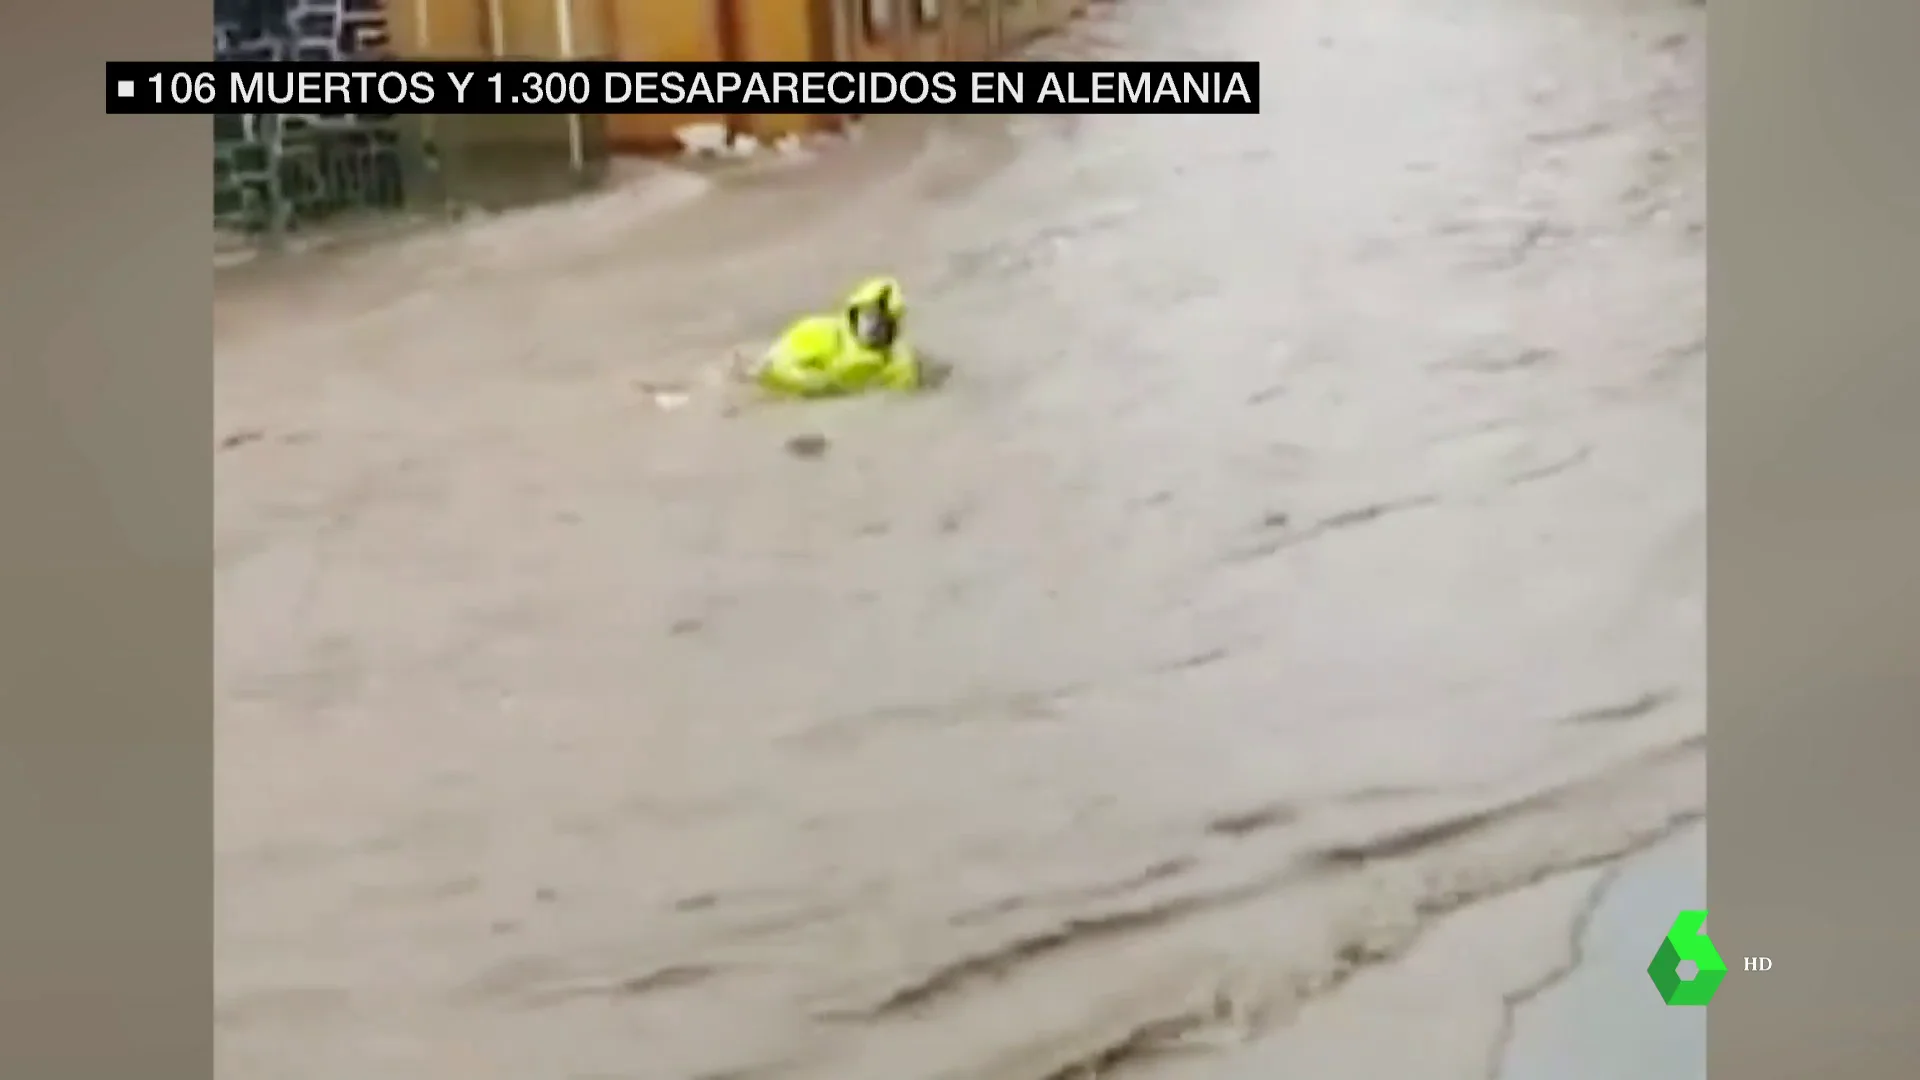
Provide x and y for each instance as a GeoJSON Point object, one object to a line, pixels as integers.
{"type": "Point", "coordinates": [818, 356]}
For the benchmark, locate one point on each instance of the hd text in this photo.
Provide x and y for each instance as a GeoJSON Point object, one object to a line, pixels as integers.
{"type": "Point", "coordinates": [560, 87]}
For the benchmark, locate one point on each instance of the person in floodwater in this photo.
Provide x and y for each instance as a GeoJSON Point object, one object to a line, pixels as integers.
{"type": "Point", "coordinates": [861, 348]}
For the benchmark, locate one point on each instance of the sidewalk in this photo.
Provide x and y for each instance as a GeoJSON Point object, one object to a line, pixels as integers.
{"type": "Point", "coordinates": [1605, 1021]}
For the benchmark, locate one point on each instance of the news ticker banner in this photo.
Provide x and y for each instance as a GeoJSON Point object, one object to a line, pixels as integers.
{"type": "Point", "coordinates": [562, 87]}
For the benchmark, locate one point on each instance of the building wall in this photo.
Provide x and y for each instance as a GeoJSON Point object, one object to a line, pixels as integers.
{"type": "Point", "coordinates": [695, 31]}
{"type": "Point", "coordinates": [887, 30]}
{"type": "Point", "coordinates": [948, 29]}
{"type": "Point", "coordinates": [1021, 21]}
{"type": "Point", "coordinates": [711, 30]}
{"type": "Point", "coordinates": [972, 33]}
{"type": "Point", "coordinates": [923, 29]}
{"type": "Point", "coordinates": [440, 29]}
{"type": "Point", "coordinates": [492, 158]}
{"type": "Point", "coordinates": [526, 29]}
{"type": "Point", "coordinates": [532, 29]}
{"type": "Point", "coordinates": [873, 29]}
{"type": "Point", "coordinates": [783, 31]}
{"type": "Point", "coordinates": [666, 31]}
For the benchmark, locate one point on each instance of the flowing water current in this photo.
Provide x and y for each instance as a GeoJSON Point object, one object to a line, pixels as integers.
{"type": "Point", "coordinates": [1309, 546]}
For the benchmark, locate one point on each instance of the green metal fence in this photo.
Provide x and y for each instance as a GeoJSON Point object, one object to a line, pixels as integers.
{"type": "Point", "coordinates": [280, 175]}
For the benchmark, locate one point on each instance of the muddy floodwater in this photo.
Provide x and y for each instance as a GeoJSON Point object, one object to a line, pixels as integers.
{"type": "Point", "coordinates": [1307, 555]}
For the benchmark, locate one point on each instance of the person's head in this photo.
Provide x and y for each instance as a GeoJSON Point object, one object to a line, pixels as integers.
{"type": "Point", "coordinates": [875, 311]}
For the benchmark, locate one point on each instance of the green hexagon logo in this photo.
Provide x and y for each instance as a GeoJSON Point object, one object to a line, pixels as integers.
{"type": "Point", "coordinates": [1687, 942]}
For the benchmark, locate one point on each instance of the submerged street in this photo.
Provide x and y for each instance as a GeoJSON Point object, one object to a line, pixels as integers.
{"type": "Point", "coordinates": [1309, 546]}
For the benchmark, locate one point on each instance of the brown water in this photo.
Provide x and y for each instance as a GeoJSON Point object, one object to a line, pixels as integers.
{"type": "Point", "coordinates": [1310, 546]}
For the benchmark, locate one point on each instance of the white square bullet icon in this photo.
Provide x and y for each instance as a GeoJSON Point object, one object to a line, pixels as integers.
{"type": "Point", "coordinates": [125, 89]}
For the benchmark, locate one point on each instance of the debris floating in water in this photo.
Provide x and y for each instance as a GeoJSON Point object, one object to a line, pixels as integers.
{"type": "Point", "coordinates": [811, 445]}
{"type": "Point", "coordinates": [665, 397]}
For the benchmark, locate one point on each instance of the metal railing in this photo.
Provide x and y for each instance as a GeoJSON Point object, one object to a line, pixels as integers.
{"type": "Point", "coordinates": [276, 175]}
{"type": "Point", "coordinates": [279, 173]}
